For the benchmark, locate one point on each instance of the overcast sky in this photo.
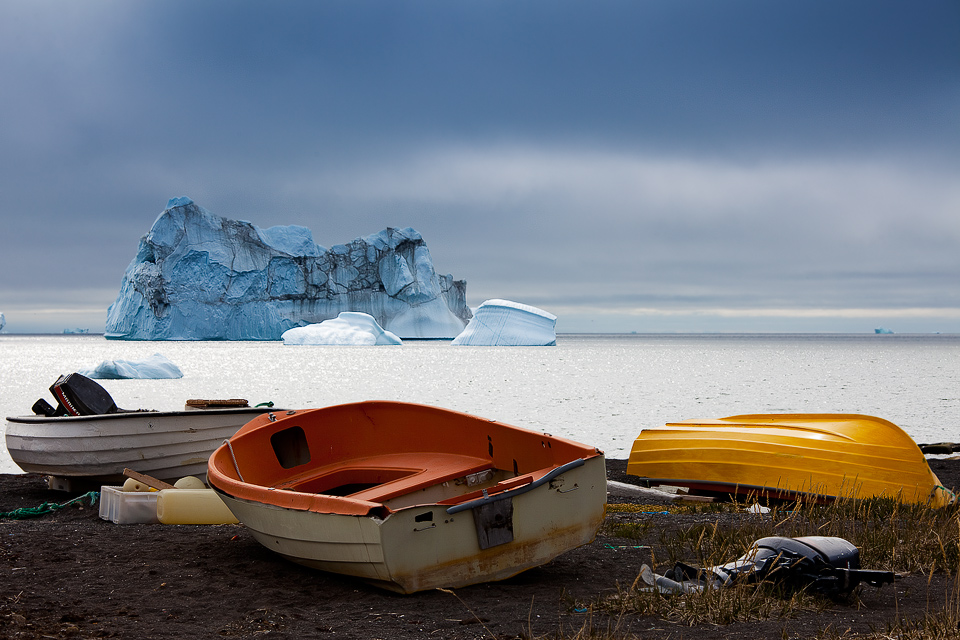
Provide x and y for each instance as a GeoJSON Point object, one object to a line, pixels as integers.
{"type": "Point", "coordinates": [645, 165]}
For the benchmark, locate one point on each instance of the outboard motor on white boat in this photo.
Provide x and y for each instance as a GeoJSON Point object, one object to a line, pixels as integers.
{"type": "Point", "coordinates": [76, 395]}
{"type": "Point", "coordinates": [827, 565]}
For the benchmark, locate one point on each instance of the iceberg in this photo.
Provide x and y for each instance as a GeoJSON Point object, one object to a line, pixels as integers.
{"type": "Point", "coordinates": [155, 367]}
{"type": "Point", "coordinates": [882, 330]}
{"type": "Point", "coordinates": [3, 321]}
{"type": "Point", "coordinates": [199, 276]}
{"type": "Point", "coordinates": [506, 323]}
{"type": "Point", "coordinates": [348, 328]}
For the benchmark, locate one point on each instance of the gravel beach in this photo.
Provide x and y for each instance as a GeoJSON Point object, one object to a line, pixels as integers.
{"type": "Point", "coordinates": [70, 574]}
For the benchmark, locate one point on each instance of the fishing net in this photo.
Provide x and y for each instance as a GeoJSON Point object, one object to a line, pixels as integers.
{"type": "Point", "coordinates": [47, 507]}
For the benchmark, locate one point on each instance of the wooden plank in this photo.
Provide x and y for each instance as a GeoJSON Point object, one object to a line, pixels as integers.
{"type": "Point", "coordinates": [200, 403]}
{"type": "Point", "coordinates": [150, 481]}
{"type": "Point", "coordinates": [683, 498]}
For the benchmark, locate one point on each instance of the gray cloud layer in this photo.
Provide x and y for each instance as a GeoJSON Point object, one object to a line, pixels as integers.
{"type": "Point", "coordinates": [649, 166]}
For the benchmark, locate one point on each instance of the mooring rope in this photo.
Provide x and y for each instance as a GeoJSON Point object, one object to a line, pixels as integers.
{"type": "Point", "coordinates": [232, 455]}
{"type": "Point", "coordinates": [47, 507]}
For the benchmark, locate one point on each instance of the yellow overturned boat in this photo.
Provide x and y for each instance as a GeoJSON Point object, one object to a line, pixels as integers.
{"type": "Point", "coordinates": [782, 456]}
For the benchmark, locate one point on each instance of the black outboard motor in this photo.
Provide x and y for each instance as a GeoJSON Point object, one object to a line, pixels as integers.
{"type": "Point", "coordinates": [76, 395]}
{"type": "Point", "coordinates": [828, 565]}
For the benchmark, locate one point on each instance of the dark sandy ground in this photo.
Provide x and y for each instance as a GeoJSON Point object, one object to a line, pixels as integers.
{"type": "Point", "coordinates": [72, 575]}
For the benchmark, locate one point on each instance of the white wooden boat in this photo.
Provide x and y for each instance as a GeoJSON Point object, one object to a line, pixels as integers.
{"type": "Point", "coordinates": [89, 450]}
{"type": "Point", "coordinates": [409, 497]}
{"type": "Point", "coordinates": [88, 441]}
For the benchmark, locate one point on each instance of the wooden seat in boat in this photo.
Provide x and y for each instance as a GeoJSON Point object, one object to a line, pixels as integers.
{"type": "Point", "coordinates": [383, 477]}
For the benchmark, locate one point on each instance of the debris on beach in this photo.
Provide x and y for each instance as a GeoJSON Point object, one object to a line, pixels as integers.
{"type": "Point", "coordinates": [827, 565]}
{"type": "Point", "coordinates": [940, 448]}
{"type": "Point", "coordinates": [144, 499]}
{"type": "Point", "coordinates": [48, 507]}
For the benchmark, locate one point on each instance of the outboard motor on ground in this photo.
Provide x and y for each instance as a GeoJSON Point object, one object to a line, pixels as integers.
{"type": "Point", "coordinates": [827, 565]}
{"type": "Point", "coordinates": [76, 395]}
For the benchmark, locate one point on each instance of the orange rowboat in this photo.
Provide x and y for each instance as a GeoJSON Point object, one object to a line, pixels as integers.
{"type": "Point", "coordinates": [407, 496]}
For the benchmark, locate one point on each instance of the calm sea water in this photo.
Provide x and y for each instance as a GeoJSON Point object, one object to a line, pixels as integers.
{"type": "Point", "coordinates": [597, 389]}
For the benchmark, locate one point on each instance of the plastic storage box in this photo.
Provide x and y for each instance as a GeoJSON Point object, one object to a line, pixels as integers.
{"type": "Point", "coordinates": [128, 507]}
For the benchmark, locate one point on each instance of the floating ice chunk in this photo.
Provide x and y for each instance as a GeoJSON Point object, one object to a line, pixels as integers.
{"type": "Point", "coordinates": [3, 321]}
{"type": "Point", "coordinates": [155, 367]}
{"type": "Point", "coordinates": [506, 323]}
{"type": "Point", "coordinates": [348, 328]}
{"type": "Point", "coordinates": [429, 320]}
{"type": "Point", "coordinates": [882, 330]}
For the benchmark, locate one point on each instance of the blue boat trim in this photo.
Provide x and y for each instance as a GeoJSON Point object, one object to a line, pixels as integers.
{"type": "Point", "coordinates": [573, 464]}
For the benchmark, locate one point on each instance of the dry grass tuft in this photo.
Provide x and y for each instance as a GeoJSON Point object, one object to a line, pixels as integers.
{"type": "Point", "coordinates": [891, 536]}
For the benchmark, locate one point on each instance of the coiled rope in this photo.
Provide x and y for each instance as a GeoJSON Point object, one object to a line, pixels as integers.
{"type": "Point", "coordinates": [47, 507]}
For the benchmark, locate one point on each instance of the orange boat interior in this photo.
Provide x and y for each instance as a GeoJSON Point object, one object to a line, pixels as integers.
{"type": "Point", "coordinates": [353, 458]}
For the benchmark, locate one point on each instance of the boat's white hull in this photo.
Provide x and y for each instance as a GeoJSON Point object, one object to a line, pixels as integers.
{"type": "Point", "coordinates": [424, 547]}
{"type": "Point", "coordinates": [165, 445]}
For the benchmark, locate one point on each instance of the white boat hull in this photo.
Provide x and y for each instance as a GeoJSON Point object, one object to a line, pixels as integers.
{"type": "Point", "coordinates": [165, 445]}
{"type": "Point", "coordinates": [423, 546]}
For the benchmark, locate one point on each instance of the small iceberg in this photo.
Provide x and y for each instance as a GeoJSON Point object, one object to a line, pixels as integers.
{"type": "Point", "coordinates": [156, 367]}
{"type": "Point", "coordinates": [882, 330]}
{"type": "Point", "coordinates": [503, 323]}
{"type": "Point", "coordinates": [350, 328]}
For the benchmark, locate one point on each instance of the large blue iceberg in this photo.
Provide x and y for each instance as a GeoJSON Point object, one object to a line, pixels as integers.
{"type": "Point", "coordinates": [351, 328]}
{"type": "Point", "coordinates": [198, 276]}
{"type": "Point", "coordinates": [504, 323]}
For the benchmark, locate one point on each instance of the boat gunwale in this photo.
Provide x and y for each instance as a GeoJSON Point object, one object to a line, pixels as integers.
{"type": "Point", "coordinates": [739, 489]}
{"type": "Point", "coordinates": [147, 413]}
{"type": "Point", "coordinates": [325, 503]}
